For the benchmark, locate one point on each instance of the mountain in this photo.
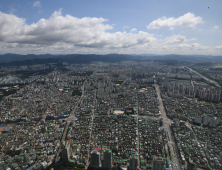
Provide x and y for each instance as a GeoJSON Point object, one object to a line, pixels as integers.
{"type": "Point", "coordinates": [19, 60]}
{"type": "Point", "coordinates": [12, 57]}
{"type": "Point", "coordinates": [171, 59]}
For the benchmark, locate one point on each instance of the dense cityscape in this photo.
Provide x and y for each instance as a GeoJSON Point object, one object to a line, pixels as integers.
{"type": "Point", "coordinates": [110, 85]}
{"type": "Point", "coordinates": [110, 115]}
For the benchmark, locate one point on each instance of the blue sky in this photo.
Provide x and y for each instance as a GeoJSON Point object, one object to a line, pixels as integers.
{"type": "Point", "coordinates": [112, 26]}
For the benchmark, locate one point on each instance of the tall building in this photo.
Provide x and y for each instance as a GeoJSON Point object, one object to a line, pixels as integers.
{"type": "Point", "coordinates": [65, 152]}
{"type": "Point", "coordinates": [95, 159]}
{"type": "Point", "coordinates": [133, 163]}
{"type": "Point", "coordinates": [107, 161]}
{"type": "Point", "coordinates": [158, 164]}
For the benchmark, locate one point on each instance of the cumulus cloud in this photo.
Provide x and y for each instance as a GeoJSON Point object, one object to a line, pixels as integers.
{"type": "Point", "coordinates": [37, 4]}
{"type": "Point", "coordinates": [178, 39]}
{"type": "Point", "coordinates": [133, 30]}
{"type": "Point", "coordinates": [194, 46]}
{"type": "Point", "coordinates": [82, 32]}
{"type": "Point", "coordinates": [175, 39]}
{"type": "Point", "coordinates": [188, 20]}
{"type": "Point", "coordinates": [69, 34]}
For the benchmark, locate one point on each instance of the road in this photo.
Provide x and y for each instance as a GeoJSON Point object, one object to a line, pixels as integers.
{"type": "Point", "coordinates": [138, 137]}
{"type": "Point", "coordinates": [126, 80]}
{"type": "Point", "coordinates": [166, 125]}
{"type": "Point", "coordinates": [90, 137]}
{"type": "Point", "coordinates": [69, 120]}
{"type": "Point", "coordinates": [207, 79]}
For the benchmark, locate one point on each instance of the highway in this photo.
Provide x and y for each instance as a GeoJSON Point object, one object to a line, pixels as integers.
{"type": "Point", "coordinates": [207, 79]}
{"type": "Point", "coordinates": [166, 125]}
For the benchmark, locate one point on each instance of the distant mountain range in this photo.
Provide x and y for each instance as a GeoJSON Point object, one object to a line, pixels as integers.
{"type": "Point", "coordinates": [30, 59]}
{"type": "Point", "coordinates": [12, 57]}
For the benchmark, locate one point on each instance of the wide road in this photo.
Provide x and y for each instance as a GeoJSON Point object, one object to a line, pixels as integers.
{"type": "Point", "coordinates": [166, 125]}
{"type": "Point", "coordinates": [207, 79]}
{"type": "Point", "coordinates": [90, 135]}
{"type": "Point", "coordinates": [70, 119]}
{"type": "Point", "coordinates": [138, 137]}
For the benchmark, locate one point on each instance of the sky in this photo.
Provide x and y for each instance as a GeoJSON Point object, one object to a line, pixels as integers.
{"type": "Point", "coordinates": [186, 27]}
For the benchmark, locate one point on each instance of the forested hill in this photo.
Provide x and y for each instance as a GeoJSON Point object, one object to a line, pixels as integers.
{"type": "Point", "coordinates": [31, 59]}
{"type": "Point", "coordinates": [59, 59]}
{"type": "Point", "coordinates": [16, 57]}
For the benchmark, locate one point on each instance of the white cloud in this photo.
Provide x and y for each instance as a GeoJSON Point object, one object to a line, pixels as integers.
{"type": "Point", "coordinates": [216, 27]}
{"type": "Point", "coordinates": [219, 47]}
{"type": "Point", "coordinates": [9, 22]}
{"type": "Point", "coordinates": [193, 47]}
{"type": "Point", "coordinates": [188, 20]}
{"type": "Point", "coordinates": [175, 39]}
{"type": "Point", "coordinates": [134, 30]}
{"type": "Point", "coordinates": [69, 34]}
{"type": "Point", "coordinates": [124, 27]}
{"type": "Point", "coordinates": [178, 39]}
{"type": "Point", "coordinates": [37, 4]}
{"type": "Point", "coordinates": [12, 10]}
{"type": "Point", "coordinates": [82, 32]}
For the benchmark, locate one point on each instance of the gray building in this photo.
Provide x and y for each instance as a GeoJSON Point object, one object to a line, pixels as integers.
{"type": "Point", "coordinates": [95, 159]}
{"type": "Point", "coordinates": [107, 162]}
{"type": "Point", "coordinates": [158, 164]}
{"type": "Point", "coordinates": [133, 163]}
{"type": "Point", "coordinates": [65, 153]}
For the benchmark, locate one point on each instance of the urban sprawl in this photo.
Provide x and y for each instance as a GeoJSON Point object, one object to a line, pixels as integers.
{"type": "Point", "coordinates": [126, 115]}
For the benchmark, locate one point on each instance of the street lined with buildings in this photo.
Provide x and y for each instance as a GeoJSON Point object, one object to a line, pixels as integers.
{"type": "Point", "coordinates": [166, 125]}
